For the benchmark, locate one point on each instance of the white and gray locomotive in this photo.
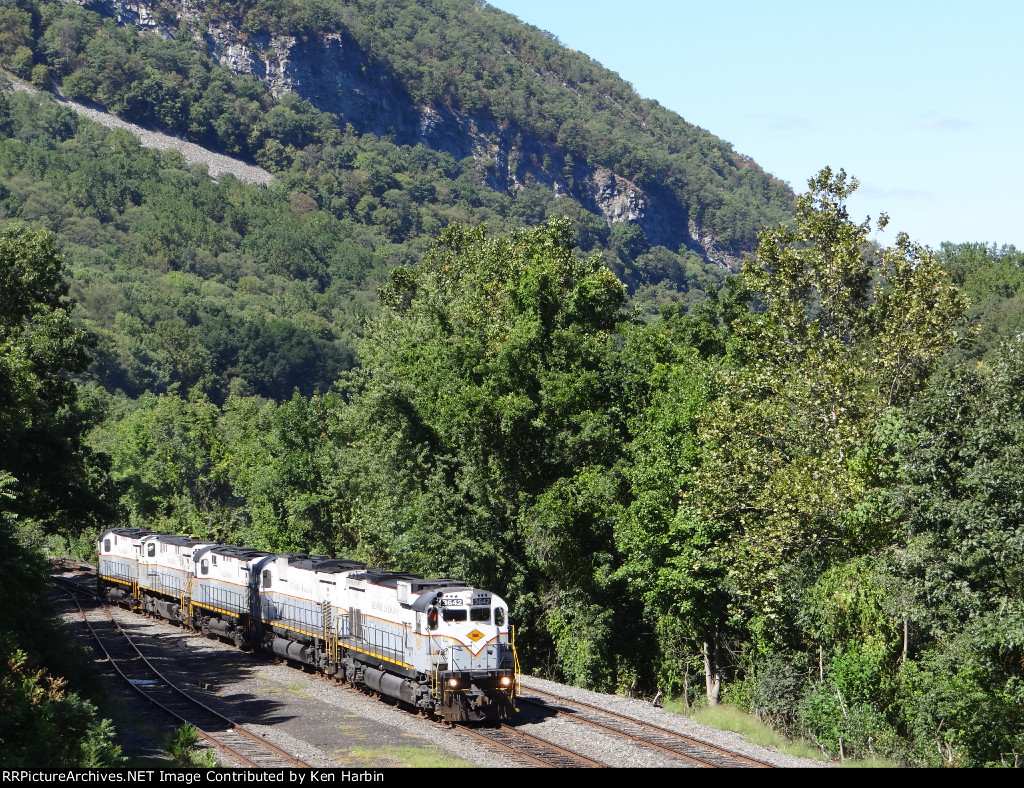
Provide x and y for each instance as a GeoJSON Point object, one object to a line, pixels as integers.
{"type": "Point", "coordinates": [440, 645]}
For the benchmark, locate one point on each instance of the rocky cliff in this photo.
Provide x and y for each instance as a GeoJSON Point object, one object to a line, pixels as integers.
{"type": "Point", "coordinates": [334, 74]}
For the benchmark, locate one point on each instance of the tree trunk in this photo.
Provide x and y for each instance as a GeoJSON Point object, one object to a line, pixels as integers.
{"type": "Point", "coordinates": [712, 670]}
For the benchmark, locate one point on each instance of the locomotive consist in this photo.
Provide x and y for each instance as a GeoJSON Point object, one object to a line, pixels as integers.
{"type": "Point", "coordinates": [440, 645]}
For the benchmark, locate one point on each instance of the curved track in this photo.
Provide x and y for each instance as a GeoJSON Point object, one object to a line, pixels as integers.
{"type": "Point", "coordinates": [238, 745]}
{"type": "Point", "coordinates": [525, 749]}
{"type": "Point", "coordinates": [676, 744]}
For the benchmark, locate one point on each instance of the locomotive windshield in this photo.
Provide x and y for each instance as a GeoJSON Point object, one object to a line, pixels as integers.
{"type": "Point", "coordinates": [449, 614]}
{"type": "Point", "coordinates": [478, 614]}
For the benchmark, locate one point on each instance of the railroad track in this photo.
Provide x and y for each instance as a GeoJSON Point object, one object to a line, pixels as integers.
{"type": "Point", "coordinates": [529, 750]}
{"type": "Point", "coordinates": [524, 748]}
{"type": "Point", "coordinates": [676, 744]}
{"type": "Point", "coordinates": [239, 746]}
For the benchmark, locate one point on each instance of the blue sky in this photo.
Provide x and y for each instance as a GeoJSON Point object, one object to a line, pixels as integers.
{"type": "Point", "coordinates": [921, 101]}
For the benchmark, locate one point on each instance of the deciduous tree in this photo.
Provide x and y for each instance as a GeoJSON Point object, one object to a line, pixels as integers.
{"type": "Point", "coordinates": [845, 333]}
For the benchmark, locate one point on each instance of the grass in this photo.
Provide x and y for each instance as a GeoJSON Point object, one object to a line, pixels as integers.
{"type": "Point", "coordinates": [405, 758]}
{"type": "Point", "coordinates": [730, 718]}
{"type": "Point", "coordinates": [293, 687]}
{"type": "Point", "coordinates": [875, 763]}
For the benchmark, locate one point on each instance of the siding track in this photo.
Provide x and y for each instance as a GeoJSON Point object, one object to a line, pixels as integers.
{"type": "Point", "coordinates": [235, 744]}
{"type": "Point", "coordinates": [678, 745]}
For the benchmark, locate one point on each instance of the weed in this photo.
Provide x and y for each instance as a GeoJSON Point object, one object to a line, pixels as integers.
{"type": "Point", "coordinates": [409, 758]}
{"type": "Point", "coordinates": [183, 749]}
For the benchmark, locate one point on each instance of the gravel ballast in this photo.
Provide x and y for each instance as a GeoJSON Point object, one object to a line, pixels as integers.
{"type": "Point", "coordinates": [329, 725]}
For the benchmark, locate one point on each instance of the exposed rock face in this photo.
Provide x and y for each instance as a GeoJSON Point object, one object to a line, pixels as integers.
{"type": "Point", "coordinates": [616, 198]}
{"type": "Point", "coordinates": [334, 74]}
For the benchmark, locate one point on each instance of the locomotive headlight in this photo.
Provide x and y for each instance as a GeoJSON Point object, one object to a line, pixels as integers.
{"type": "Point", "coordinates": [453, 683]}
{"type": "Point", "coordinates": [506, 681]}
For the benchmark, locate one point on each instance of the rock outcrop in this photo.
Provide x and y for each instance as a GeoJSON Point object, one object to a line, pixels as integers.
{"type": "Point", "coordinates": [334, 74]}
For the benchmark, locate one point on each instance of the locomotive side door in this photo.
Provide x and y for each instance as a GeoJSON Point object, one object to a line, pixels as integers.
{"type": "Point", "coordinates": [418, 643]}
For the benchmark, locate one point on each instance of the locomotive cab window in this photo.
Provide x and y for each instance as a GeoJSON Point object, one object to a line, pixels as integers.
{"type": "Point", "coordinates": [151, 549]}
{"type": "Point", "coordinates": [480, 614]}
{"type": "Point", "coordinates": [448, 614]}
{"type": "Point", "coordinates": [106, 545]}
{"type": "Point", "coordinates": [266, 578]}
{"type": "Point", "coordinates": [499, 616]}
{"type": "Point", "coordinates": [204, 567]}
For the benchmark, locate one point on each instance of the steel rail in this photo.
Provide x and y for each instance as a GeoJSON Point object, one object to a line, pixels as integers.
{"type": "Point", "coordinates": [674, 736]}
{"type": "Point", "coordinates": [532, 749]}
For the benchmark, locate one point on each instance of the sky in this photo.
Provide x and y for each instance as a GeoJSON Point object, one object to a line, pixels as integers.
{"type": "Point", "coordinates": [922, 102]}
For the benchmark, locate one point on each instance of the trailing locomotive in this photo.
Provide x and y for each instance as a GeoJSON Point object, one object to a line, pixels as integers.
{"type": "Point", "coordinates": [439, 645]}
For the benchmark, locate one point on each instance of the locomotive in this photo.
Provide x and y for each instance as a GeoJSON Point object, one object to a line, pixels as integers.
{"type": "Point", "coordinates": [439, 645]}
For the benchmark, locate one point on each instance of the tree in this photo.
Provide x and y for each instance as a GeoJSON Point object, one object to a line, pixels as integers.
{"type": "Point", "coordinates": [958, 563]}
{"type": "Point", "coordinates": [49, 481]}
{"type": "Point", "coordinates": [667, 386]}
{"type": "Point", "coordinates": [61, 483]}
{"type": "Point", "coordinates": [845, 334]}
{"type": "Point", "coordinates": [488, 431]}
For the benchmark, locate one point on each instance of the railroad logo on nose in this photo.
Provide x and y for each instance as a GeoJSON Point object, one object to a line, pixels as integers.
{"type": "Point", "coordinates": [475, 635]}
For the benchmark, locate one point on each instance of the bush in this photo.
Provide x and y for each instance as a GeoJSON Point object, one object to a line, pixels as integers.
{"type": "Point", "coordinates": [181, 746]}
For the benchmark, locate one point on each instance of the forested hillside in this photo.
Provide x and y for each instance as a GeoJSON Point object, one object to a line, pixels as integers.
{"type": "Point", "coordinates": [793, 489]}
{"type": "Point", "coordinates": [510, 108]}
{"type": "Point", "coordinates": [346, 207]}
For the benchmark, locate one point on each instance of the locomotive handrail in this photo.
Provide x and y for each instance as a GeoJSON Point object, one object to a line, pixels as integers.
{"type": "Point", "coordinates": [517, 687]}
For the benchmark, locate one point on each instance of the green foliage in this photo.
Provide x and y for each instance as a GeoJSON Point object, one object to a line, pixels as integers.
{"type": "Point", "coordinates": [960, 701]}
{"type": "Point", "coordinates": [849, 602]}
{"type": "Point", "coordinates": [845, 729]}
{"type": "Point", "coordinates": [181, 745]}
{"type": "Point", "coordinates": [846, 335]}
{"type": "Point", "coordinates": [991, 278]}
{"type": "Point", "coordinates": [959, 569]}
{"type": "Point", "coordinates": [45, 721]}
{"type": "Point", "coordinates": [49, 482]}
{"type": "Point", "coordinates": [60, 482]}
{"type": "Point", "coordinates": [46, 725]}
{"type": "Point", "coordinates": [172, 463]}
{"type": "Point", "coordinates": [907, 624]}
{"type": "Point", "coordinates": [186, 283]}
{"type": "Point", "coordinates": [489, 382]}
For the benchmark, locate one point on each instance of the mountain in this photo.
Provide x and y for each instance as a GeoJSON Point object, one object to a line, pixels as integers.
{"type": "Point", "coordinates": [468, 80]}
{"type": "Point", "coordinates": [382, 123]}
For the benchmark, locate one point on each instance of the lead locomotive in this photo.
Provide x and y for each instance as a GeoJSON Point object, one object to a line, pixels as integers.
{"type": "Point", "coordinates": [439, 645]}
